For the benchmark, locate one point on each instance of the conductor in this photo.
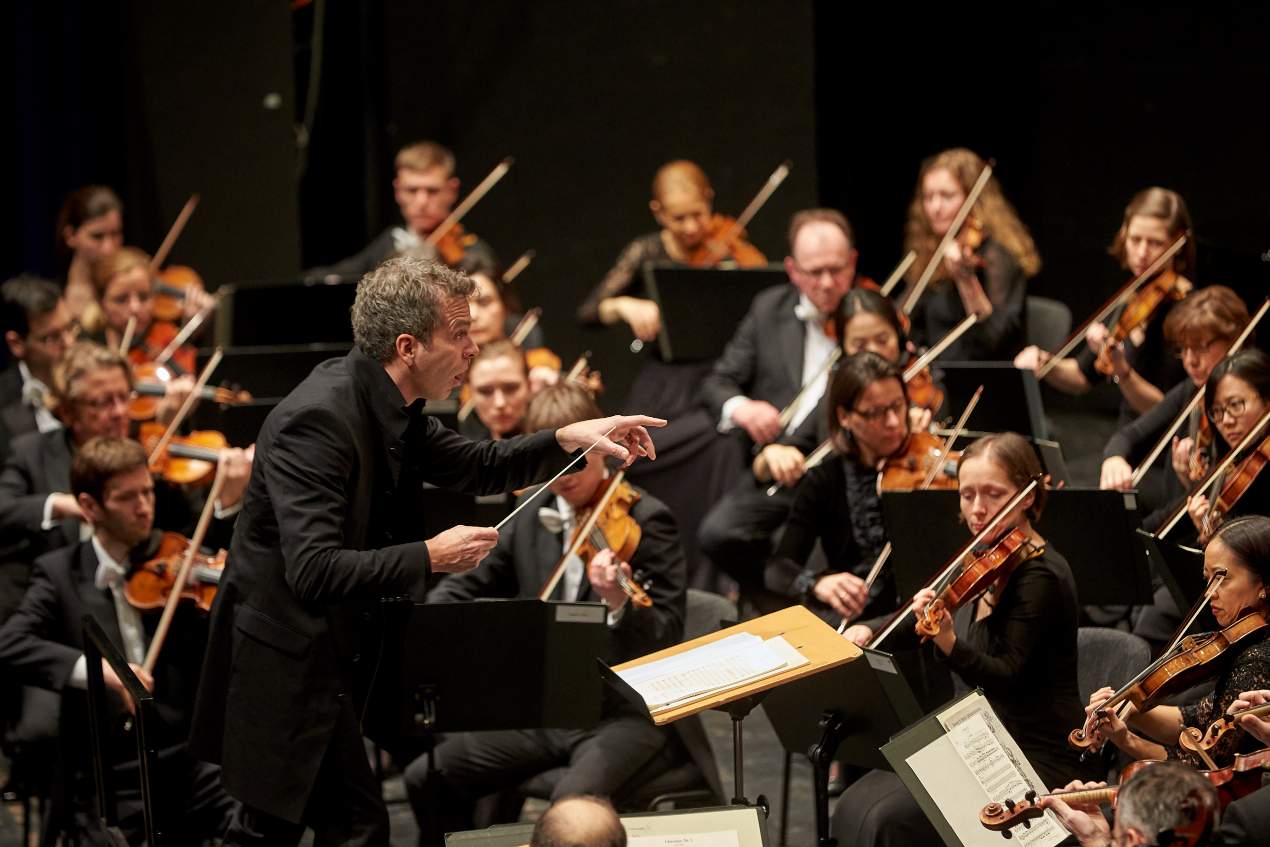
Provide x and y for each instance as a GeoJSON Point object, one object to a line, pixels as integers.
{"type": "Point", "coordinates": [329, 524]}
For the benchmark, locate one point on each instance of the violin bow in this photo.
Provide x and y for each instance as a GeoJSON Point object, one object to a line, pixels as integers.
{"type": "Point", "coordinates": [518, 266]}
{"type": "Point", "coordinates": [1142, 469]}
{"type": "Point", "coordinates": [181, 413]}
{"type": "Point", "coordinates": [1253, 434]}
{"type": "Point", "coordinates": [182, 575]}
{"type": "Point", "coordinates": [186, 331]}
{"type": "Point", "coordinates": [787, 413]}
{"type": "Point", "coordinates": [720, 245]}
{"type": "Point", "coordinates": [1128, 290]}
{"type": "Point", "coordinates": [538, 491]}
{"type": "Point", "coordinates": [898, 274]}
{"type": "Point", "coordinates": [953, 435]}
{"type": "Point", "coordinates": [125, 343]}
{"type": "Point", "coordinates": [815, 457]}
{"type": "Point", "coordinates": [579, 368]}
{"type": "Point", "coordinates": [581, 534]}
{"type": "Point", "coordinates": [956, 560]}
{"type": "Point", "coordinates": [938, 256]}
{"type": "Point", "coordinates": [174, 232]}
{"type": "Point", "coordinates": [500, 171]}
{"type": "Point", "coordinates": [943, 344]}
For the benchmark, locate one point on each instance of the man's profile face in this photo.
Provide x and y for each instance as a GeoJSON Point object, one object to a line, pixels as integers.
{"type": "Point", "coordinates": [441, 363]}
{"type": "Point", "coordinates": [425, 197]}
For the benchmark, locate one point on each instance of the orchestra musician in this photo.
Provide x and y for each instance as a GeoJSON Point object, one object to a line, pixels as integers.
{"type": "Point", "coordinates": [585, 821]}
{"type": "Point", "coordinates": [995, 292]}
{"type": "Point", "coordinates": [1143, 365]}
{"type": "Point", "coordinates": [43, 644]}
{"type": "Point", "coordinates": [1017, 643]}
{"type": "Point", "coordinates": [89, 229]}
{"type": "Point", "coordinates": [499, 381]}
{"type": "Point", "coordinates": [425, 188]}
{"type": "Point", "coordinates": [37, 327]}
{"type": "Point", "coordinates": [599, 761]}
{"type": "Point", "coordinates": [496, 314]}
{"type": "Point", "coordinates": [330, 522]}
{"type": "Point", "coordinates": [1247, 820]}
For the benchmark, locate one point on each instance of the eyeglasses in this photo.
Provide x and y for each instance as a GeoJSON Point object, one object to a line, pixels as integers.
{"type": "Point", "coordinates": [100, 404]}
{"type": "Point", "coordinates": [898, 408]}
{"type": "Point", "coordinates": [1234, 407]}
{"type": "Point", "coordinates": [1197, 349]}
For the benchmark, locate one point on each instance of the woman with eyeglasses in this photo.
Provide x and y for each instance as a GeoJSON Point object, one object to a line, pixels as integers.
{"type": "Point", "coordinates": [989, 280]}
{"type": "Point", "coordinates": [1202, 329]}
{"type": "Point", "coordinates": [1142, 366]}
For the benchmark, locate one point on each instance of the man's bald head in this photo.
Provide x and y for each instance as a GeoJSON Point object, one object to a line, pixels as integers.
{"type": "Point", "coordinates": [581, 821]}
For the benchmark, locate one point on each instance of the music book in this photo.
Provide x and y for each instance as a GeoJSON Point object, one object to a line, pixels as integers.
{"type": "Point", "coordinates": [710, 668]}
{"type": "Point", "coordinates": [958, 760]}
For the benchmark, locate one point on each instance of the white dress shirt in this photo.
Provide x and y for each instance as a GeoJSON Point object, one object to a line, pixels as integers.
{"type": "Point", "coordinates": [33, 393]}
{"type": "Point", "coordinates": [110, 574]}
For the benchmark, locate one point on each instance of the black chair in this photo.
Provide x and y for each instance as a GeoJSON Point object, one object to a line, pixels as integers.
{"type": "Point", "coordinates": [1047, 322]}
{"type": "Point", "coordinates": [1108, 657]}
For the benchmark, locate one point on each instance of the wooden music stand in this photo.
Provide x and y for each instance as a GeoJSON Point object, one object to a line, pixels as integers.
{"type": "Point", "coordinates": [809, 635]}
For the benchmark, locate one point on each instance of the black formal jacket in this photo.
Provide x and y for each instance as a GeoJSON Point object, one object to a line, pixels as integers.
{"type": "Point", "coordinates": [764, 359]}
{"type": "Point", "coordinates": [330, 523]}
{"type": "Point", "coordinates": [382, 248]}
{"type": "Point", "coordinates": [1246, 821]}
{"type": "Point", "coordinates": [16, 417]}
{"type": "Point", "coordinates": [41, 642]}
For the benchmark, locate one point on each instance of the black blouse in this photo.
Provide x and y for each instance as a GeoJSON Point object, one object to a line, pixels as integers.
{"type": "Point", "coordinates": [1153, 360]}
{"type": "Point", "coordinates": [624, 279]}
{"type": "Point", "coordinates": [1249, 670]}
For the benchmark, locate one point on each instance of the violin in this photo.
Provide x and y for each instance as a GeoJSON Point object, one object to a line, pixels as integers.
{"type": "Point", "coordinates": [1137, 312]}
{"type": "Point", "coordinates": [1201, 449]}
{"type": "Point", "coordinates": [1236, 485]}
{"type": "Point", "coordinates": [454, 243]}
{"type": "Point", "coordinates": [150, 383]}
{"type": "Point", "coordinates": [170, 287]}
{"type": "Point", "coordinates": [1200, 742]}
{"type": "Point", "coordinates": [146, 348]}
{"type": "Point", "coordinates": [188, 459]}
{"type": "Point", "coordinates": [150, 584]}
{"type": "Point", "coordinates": [608, 526]}
{"type": "Point", "coordinates": [922, 390]}
{"type": "Point", "coordinates": [725, 240]}
{"type": "Point", "coordinates": [1005, 815]}
{"type": "Point", "coordinates": [979, 573]}
{"type": "Point", "coordinates": [971, 238]}
{"type": "Point", "coordinates": [910, 468]}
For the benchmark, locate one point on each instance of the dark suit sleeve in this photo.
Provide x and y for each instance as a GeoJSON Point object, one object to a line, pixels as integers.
{"type": "Point", "coordinates": [488, 467]}
{"type": "Point", "coordinates": [1134, 440]}
{"type": "Point", "coordinates": [29, 641]}
{"type": "Point", "coordinates": [307, 473]}
{"type": "Point", "coordinates": [734, 371]}
{"type": "Point", "coordinates": [660, 557]}
{"type": "Point", "coordinates": [21, 510]}
{"type": "Point", "coordinates": [808, 435]}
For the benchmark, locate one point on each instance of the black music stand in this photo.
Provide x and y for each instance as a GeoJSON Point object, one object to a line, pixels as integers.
{"type": "Point", "coordinates": [848, 713]}
{"type": "Point", "coordinates": [273, 370]}
{"type": "Point", "coordinates": [701, 307]}
{"type": "Point", "coordinates": [1180, 567]}
{"type": "Point", "coordinates": [97, 646]}
{"type": "Point", "coordinates": [1011, 399]}
{"type": "Point", "coordinates": [1092, 528]}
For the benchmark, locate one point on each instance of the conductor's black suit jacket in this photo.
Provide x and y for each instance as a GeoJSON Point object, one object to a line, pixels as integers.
{"type": "Point", "coordinates": [330, 523]}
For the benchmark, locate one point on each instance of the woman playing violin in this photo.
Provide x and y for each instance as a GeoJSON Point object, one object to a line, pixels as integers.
{"type": "Point", "coordinates": [499, 380]}
{"type": "Point", "coordinates": [1241, 551]}
{"type": "Point", "coordinates": [1140, 364]}
{"type": "Point", "coordinates": [496, 314]}
{"type": "Point", "coordinates": [988, 279]}
{"type": "Point", "coordinates": [1017, 642]}
{"type": "Point", "coordinates": [89, 229]}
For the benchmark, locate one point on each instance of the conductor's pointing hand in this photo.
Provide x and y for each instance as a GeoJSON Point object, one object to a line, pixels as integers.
{"type": "Point", "coordinates": [627, 441]}
{"type": "Point", "coordinates": [460, 548]}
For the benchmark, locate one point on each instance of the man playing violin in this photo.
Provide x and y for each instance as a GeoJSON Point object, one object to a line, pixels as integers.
{"type": "Point", "coordinates": [37, 327]}
{"type": "Point", "coordinates": [599, 761]}
{"type": "Point", "coordinates": [425, 189]}
{"type": "Point", "coordinates": [330, 523]}
{"type": "Point", "coordinates": [42, 644]}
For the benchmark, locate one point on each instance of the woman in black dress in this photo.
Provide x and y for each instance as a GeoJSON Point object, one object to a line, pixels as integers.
{"type": "Point", "coordinates": [1017, 642]}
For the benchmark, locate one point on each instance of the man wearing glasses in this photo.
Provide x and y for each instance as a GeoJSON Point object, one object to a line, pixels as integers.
{"type": "Point", "coordinates": [38, 327]}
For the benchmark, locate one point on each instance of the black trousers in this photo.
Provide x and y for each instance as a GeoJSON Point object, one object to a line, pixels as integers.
{"type": "Point", "coordinates": [738, 533]}
{"type": "Point", "coordinates": [346, 806]}
{"type": "Point", "coordinates": [472, 765]}
{"type": "Point", "coordinates": [878, 811]}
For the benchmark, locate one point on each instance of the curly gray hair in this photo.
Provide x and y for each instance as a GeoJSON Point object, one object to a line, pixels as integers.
{"type": "Point", "coordinates": [403, 296]}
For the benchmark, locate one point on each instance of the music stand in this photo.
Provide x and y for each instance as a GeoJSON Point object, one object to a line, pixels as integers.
{"type": "Point", "coordinates": [1089, 527]}
{"type": "Point", "coordinates": [273, 370]}
{"type": "Point", "coordinates": [1180, 567]}
{"type": "Point", "coordinates": [691, 332]}
{"type": "Point", "coordinates": [848, 713]}
{"type": "Point", "coordinates": [1011, 399]}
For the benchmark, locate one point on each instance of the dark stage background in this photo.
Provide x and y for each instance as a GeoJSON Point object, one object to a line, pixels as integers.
{"type": "Point", "coordinates": [1079, 109]}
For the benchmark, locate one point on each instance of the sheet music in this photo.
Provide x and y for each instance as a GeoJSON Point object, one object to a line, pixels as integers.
{"type": "Point", "coordinates": [726, 838]}
{"type": "Point", "coordinates": [710, 668]}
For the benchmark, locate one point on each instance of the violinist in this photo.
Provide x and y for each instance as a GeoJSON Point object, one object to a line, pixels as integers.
{"type": "Point", "coordinates": [499, 381]}
{"type": "Point", "coordinates": [1017, 642]}
{"type": "Point", "coordinates": [89, 229]}
{"type": "Point", "coordinates": [1241, 551]}
{"type": "Point", "coordinates": [496, 314]}
{"type": "Point", "coordinates": [598, 761]}
{"type": "Point", "coordinates": [42, 644]}
{"type": "Point", "coordinates": [1141, 364]}
{"type": "Point", "coordinates": [839, 503]}
{"type": "Point", "coordinates": [37, 327]}
{"type": "Point", "coordinates": [1202, 329]}
{"type": "Point", "coordinates": [425, 188]}
{"type": "Point", "coordinates": [988, 279]}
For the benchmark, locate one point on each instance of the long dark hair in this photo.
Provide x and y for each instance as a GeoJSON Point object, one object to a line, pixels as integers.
{"type": "Point", "coordinates": [1249, 539]}
{"type": "Point", "coordinates": [859, 300]}
{"type": "Point", "coordinates": [854, 375]}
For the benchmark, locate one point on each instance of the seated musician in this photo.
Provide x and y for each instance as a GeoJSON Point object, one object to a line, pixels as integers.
{"type": "Point", "coordinates": [1142, 365]}
{"type": "Point", "coordinates": [1165, 804]}
{"type": "Point", "coordinates": [738, 531]}
{"type": "Point", "coordinates": [1241, 550]}
{"type": "Point", "coordinates": [579, 822]}
{"type": "Point", "coordinates": [839, 503]}
{"type": "Point", "coordinates": [1017, 642]}
{"type": "Point", "coordinates": [988, 280]}
{"type": "Point", "coordinates": [89, 229]}
{"type": "Point", "coordinates": [499, 381]}
{"type": "Point", "coordinates": [37, 327]}
{"type": "Point", "coordinates": [1247, 819]}
{"type": "Point", "coordinates": [599, 761]}
{"type": "Point", "coordinates": [425, 188]}
{"type": "Point", "coordinates": [43, 644]}
{"type": "Point", "coordinates": [496, 315]}
{"type": "Point", "coordinates": [1202, 329]}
